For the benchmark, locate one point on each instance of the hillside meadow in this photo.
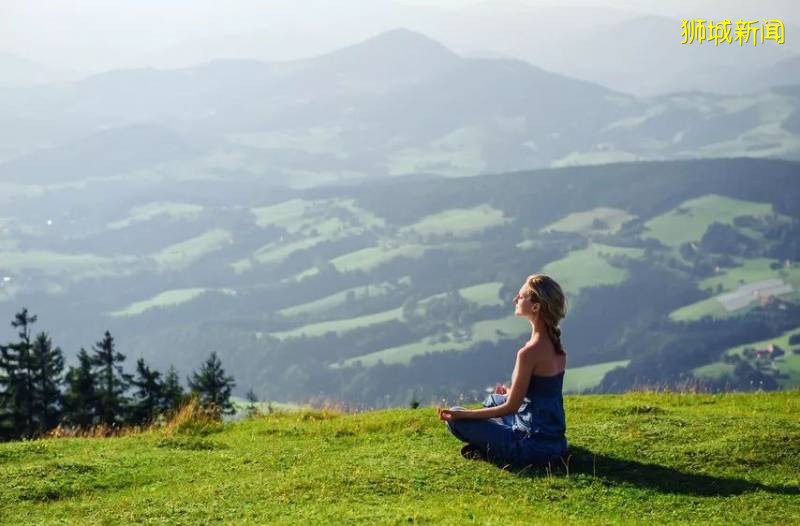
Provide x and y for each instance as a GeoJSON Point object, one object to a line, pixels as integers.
{"type": "Point", "coordinates": [635, 458]}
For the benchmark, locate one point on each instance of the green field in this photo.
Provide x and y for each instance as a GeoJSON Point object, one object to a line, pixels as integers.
{"type": "Point", "coordinates": [752, 269]}
{"type": "Point", "coordinates": [337, 299]}
{"type": "Point", "coordinates": [288, 214]}
{"type": "Point", "coordinates": [274, 253]}
{"type": "Point", "coordinates": [689, 221]}
{"type": "Point", "coordinates": [578, 379]}
{"type": "Point", "coordinates": [482, 331]}
{"type": "Point", "coordinates": [151, 210]}
{"type": "Point", "coordinates": [484, 293]}
{"type": "Point", "coordinates": [789, 363]}
{"type": "Point", "coordinates": [300, 276]}
{"type": "Point", "coordinates": [167, 298]}
{"type": "Point", "coordinates": [325, 216]}
{"type": "Point", "coordinates": [582, 222]}
{"type": "Point", "coordinates": [479, 293]}
{"type": "Point", "coordinates": [55, 264]}
{"type": "Point", "coordinates": [185, 253]}
{"type": "Point", "coordinates": [577, 158]}
{"type": "Point", "coordinates": [638, 458]}
{"type": "Point", "coordinates": [460, 222]}
{"type": "Point", "coordinates": [340, 326]}
{"type": "Point", "coordinates": [707, 307]}
{"type": "Point", "coordinates": [588, 267]}
{"type": "Point", "coordinates": [368, 258]}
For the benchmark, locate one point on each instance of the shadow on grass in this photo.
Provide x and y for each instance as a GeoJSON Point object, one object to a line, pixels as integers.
{"type": "Point", "coordinates": [651, 476]}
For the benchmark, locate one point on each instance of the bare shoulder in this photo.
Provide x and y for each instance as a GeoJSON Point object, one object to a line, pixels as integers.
{"type": "Point", "coordinates": [537, 348]}
{"type": "Point", "coordinates": [531, 352]}
{"type": "Point", "coordinates": [542, 355]}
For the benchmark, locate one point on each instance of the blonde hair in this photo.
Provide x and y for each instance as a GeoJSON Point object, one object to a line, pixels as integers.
{"type": "Point", "coordinates": [548, 293]}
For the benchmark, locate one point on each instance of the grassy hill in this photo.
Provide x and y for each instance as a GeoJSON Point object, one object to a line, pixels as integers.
{"type": "Point", "coordinates": [635, 458]}
{"type": "Point", "coordinates": [295, 289]}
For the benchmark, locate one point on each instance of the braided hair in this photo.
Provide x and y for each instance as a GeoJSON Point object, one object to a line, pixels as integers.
{"type": "Point", "coordinates": [545, 291]}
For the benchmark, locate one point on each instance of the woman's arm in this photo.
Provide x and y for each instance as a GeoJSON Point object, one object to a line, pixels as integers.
{"type": "Point", "coordinates": [520, 379]}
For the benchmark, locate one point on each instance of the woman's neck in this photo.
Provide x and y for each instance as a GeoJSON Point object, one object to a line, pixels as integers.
{"type": "Point", "coordinates": [537, 330]}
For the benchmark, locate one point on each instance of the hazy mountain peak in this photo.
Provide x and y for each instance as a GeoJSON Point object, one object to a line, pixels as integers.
{"type": "Point", "coordinates": [404, 39]}
{"type": "Point", "coordinates": [398, 52]}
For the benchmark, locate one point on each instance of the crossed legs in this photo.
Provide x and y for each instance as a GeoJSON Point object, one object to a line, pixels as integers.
{"type": "Point", "coordinates": [494, 436]}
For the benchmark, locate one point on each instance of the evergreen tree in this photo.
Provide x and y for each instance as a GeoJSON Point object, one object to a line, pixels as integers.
{"type": "Point", "coordinates": [172, 394]}
{"type": "Point", "coordinates": [252, 403]}
{"type": "Point", "coordinates": [16, 380]}
{"type": "Point", "coordinates": [111, 382]}
{"type": "Point", "coordinates": [80, 398]}
{"type": "Point", "coordinates": [212, 385]}
{"type": "Point", "coordinates": [149, 393]}
{"type": "Point", "coordinates": [48, 365]}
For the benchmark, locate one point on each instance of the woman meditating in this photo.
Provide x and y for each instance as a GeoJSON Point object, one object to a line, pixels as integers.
{"type": "Point", "coordinates": [525, 425]}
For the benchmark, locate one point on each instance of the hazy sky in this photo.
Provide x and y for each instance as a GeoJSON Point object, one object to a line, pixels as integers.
{"type": "Point", "coordinates": [96, 35]}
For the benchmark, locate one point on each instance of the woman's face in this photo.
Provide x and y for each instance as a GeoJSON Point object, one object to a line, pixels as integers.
{"type": "Point", "coordinates": [523, 305]}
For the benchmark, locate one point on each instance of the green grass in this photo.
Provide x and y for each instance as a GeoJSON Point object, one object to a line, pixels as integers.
{"type": "Point", "coordinates": [581, 222]}
{"type": "Point", "coordinates": [167, 298]}
{"type": "Point", "coordinates": [288, 214]}
{"type": "Point", "coordinates": [183, 254]}
{"type": "Point", "coordinates": [578, 379]}
{"type": "Point", "coordinates": [460, 222]}
{"type": "Point", "coordinates": [577, 158]}
{"type": "Point", "coordinates": [151, 210]}
{"type": "Point", "coordinates": [788, 364]}
{"type": "Point", "coordinates": [707, 307]}
{"type": "Point", "coordinates": [274, 253]}
{"type": "Point", "coordinates": [484, 293]}
{"type": "Point", "coordinates": [689, 221]}
{"type": "Point", "coordinates": [300, 276]}
{"type": "Point", "coordinates": [322, 215]}
{"type": "Point", "coordinates": [639, 458]}
{"type": "Point", "coordinates": [337, 299]}
{"type": "Point", "coordinates": [714, 370]}
{"type": "Point", "coordinates": [589, 267]}
{"type": "Point", "coordinates": [371, 257]}
{"type": "Point", "coordinates": [751, 270]}
{"type": "Point", "coordinates": [55, 263]}
{"type": "Point", "coordinates": [481, 293]}
{"type": "Point", "coordinates": [340, 326]}
{"type": "Point", "coordinates": [482, 331]}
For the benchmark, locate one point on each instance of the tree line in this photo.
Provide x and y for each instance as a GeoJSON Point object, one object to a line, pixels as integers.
{"type": "Point", "coordinates": [36, 395]}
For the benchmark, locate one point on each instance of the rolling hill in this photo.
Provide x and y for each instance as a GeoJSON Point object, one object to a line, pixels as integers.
{"type": "Point", "coordinates": [376, 292]}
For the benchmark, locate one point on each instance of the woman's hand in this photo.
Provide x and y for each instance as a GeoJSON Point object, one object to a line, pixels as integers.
{"type": "Point", "coordinates": [449, 415]}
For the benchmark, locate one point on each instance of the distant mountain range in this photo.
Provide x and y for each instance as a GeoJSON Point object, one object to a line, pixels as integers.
{"type": "Point", "coordinates": [396, 104]}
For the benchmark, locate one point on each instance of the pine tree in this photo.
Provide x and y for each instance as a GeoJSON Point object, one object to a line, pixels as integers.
{"type": "Point", "coordinates": [48, 365]}
{"type": "Point", "coordinates": [16, 380]}
{"type": "Point", "coordinates": [80, 398]}
{"type": "Point", "coordinates": [252, 403]}
{"type": "Point", "coordinates": [111, 382]}
{"type": "Point", "coordinates": [212, 386]}
{"type": "Point", "coordinates": [172, 393]}
{"type": "Point", "coordinates": [149, 393]}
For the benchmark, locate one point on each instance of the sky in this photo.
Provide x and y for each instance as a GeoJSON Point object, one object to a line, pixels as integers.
{"type": "Point", "coordinates": [90, 36]}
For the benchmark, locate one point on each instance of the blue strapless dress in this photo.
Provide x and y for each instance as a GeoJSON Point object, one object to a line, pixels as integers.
{"type": "Point", "coordinates": [540, 418]}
